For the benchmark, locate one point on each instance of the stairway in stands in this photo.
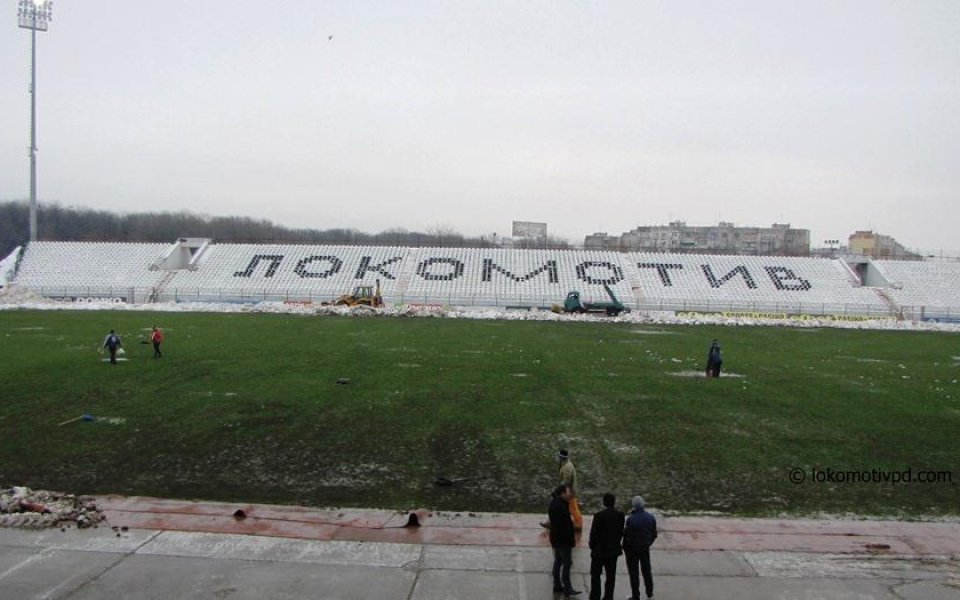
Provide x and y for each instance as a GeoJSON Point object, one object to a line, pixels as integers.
{"type": "Point", "coordinates": [158, 289]}
{"type": "Point", "coordinates": [407, 269]}
{"type": "Point", "coordinates": [895, 310]}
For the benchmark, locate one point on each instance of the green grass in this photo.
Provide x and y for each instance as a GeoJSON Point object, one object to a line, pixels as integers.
{"type": "Point", "coordinates": [246, 407]}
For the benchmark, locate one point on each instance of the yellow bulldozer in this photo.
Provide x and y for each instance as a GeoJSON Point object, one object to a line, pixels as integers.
{"type": "Point", "coordinates": [363, 295]}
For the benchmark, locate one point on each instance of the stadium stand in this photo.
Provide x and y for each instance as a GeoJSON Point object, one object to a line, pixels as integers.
{"type": "Point", "coordinates": [244, 272]}
{"type": "Point", "coordinates": [196, 270]}
{"type": "Point", "coordinates": [923, 290]}
{"type": "Point", "coordinates": [523, 278]}
{"type": "Point", "coordinates": [72, 270]}
{"type": "Point", "coordinates": [779, 284]}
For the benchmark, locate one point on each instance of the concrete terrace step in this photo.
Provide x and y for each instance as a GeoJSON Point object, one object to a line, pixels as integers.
{"type": "Point", "coordinates": [889, 538]}
{"type": "Point", "coordinates": [186, 550]}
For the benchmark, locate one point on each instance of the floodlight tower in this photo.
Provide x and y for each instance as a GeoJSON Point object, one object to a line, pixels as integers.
{"type": "Point", "coordinates": [35, 15]}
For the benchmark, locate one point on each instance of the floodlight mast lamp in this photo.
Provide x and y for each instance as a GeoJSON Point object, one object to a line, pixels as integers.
{"type": "Point", "coordinates": [34, 15]}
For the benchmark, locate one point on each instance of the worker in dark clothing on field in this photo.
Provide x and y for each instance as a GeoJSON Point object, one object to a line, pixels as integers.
{"type": "Point", "coordinates": [638, 535]}
{"type": "Point", "coordinates": [714, 360]}
{"type": "Point", "coordinates": [606, 534]}
{"type": "Point", "coordinates": [563, 539]}
{"type": "Point", "coordinates": [112, 343]}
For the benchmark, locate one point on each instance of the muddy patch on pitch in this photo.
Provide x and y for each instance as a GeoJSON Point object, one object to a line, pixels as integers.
{"type": "Point", "coordinates": [652, 332]}
{"type": "Point", "coordinates": [862, 359]}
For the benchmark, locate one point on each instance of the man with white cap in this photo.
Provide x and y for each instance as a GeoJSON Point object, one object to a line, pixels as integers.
{"type": "Point", "coordinates": [638, 535]}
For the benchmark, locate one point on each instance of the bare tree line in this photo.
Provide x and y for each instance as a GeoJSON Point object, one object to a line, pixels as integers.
{"type": "Point", "coordinates": [70, 224]}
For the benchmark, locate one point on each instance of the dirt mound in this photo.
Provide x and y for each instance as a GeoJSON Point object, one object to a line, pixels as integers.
{"type": "Point", "coordinates": [37, 509]}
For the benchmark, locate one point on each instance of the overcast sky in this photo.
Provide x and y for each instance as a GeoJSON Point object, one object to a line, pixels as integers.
{"type": "Point", "coordinates": [589, 115]}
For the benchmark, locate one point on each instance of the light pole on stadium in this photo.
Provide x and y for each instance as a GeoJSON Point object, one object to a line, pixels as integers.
{"type": "Point", "coordinates": [35, 15]}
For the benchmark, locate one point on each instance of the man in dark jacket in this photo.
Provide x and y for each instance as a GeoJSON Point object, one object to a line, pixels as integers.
{"type": "Point", "coordinates": [638, 536]}
{"type": "Point", "coordinates": [605, 536]}
{"type": "Point", "coordinates": [112, 343]}
{"type": "Point", "coordinates": [714, 360]}
{"type": "Point", "coordinates": [562, 538]}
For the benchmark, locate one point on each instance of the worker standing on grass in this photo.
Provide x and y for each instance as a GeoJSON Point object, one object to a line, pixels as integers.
{"type": "Point", "coordinates": [156, 338]}
{"type": "Point", "coordinates": [568, 477]}
{"type": "Point", "coordinates": [714, 360]}
{"type": "Point", "coordinates": [112, 343]}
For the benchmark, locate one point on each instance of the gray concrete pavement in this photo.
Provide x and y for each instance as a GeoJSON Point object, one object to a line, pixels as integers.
{"type": "Point", "coordinates": [146, 564]}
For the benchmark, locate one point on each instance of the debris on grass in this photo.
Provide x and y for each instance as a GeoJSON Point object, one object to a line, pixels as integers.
{"type": "Point", "coordinates": [84, 417]}
{"type": "Point", "coordinates": [447, 482]}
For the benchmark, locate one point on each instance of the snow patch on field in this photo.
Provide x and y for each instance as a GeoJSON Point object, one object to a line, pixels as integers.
{"type": "Point", "coordinates": [702, 374]}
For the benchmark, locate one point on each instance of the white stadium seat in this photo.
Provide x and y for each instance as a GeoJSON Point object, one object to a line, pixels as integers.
{"type": "Point", "coordinates": [90, 270]}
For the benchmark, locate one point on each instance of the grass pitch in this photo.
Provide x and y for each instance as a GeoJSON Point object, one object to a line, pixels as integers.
{"type": "Point", "coordinates": [245, 407]}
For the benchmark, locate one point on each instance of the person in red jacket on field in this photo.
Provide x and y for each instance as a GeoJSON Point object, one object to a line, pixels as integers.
{"type": "Point", "coordinates": [156, 338]}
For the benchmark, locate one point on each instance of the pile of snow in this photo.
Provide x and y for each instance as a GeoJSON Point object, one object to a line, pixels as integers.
{"type": "Point", "coordinates": [14, 298]}
{"type": "Point", "coordinates": [7, 267]}
{"type": "Point", "coordinates": [36, 509]}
